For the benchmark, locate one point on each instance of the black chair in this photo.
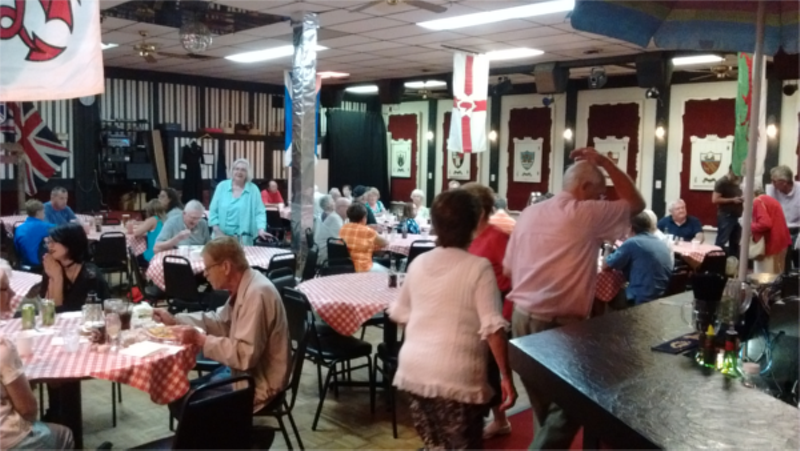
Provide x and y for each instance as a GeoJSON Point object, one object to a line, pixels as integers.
{"type": "Point", "coordinates": [275, 223]}
{"type": "Point", "coordinates": [337, 250]}
{"type": "Point", "coordinates": [309, 237]}
{"type": "Point", "coordinates": [678, 283]}
{"type": "Point", "coordinates": [282, 278]}
{"type": "Point", "coordinates": [297, 315]}
{"type": "Point", "coordinates": [151, 293]}
{"type": "Point", "coordinates": [286, 260]}
{"type": "Point", "coordinates": [714, 262]}
{"type": "Point", "coordinates": [181, 288]}
{"type": "Point", "coordinates": [266, 242]}
{"type": "Point", "coordinates": [217, 415]}
{"type": "Point", "coordinates": [110, 254]}
{"type": "Point", "coordinates": [335, 268]}
{"type": "Point", "coordinates": [386, 359]}
{"type": "Point", "coordinates": [418, 248]}
{"type": "Point", "coordinates": [310, 268]}
{"type": "Point", "coordinates": [332, 351]}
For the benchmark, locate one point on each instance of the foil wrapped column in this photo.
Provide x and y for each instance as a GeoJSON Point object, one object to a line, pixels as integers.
{"type": "Point", "coordinates": [304, 128]}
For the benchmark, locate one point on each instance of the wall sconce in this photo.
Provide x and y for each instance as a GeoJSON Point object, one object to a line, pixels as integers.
{"type": "Point", "coordinates": [772, 129]}
{"type": "Point", "coordinates": [429, 135]}
{"type": "Point", "coordinates": [568, 134]}
{"type": "Point", "coordinates": [492, 136]}
{"type": "Point", "coordinates": [660, 132]}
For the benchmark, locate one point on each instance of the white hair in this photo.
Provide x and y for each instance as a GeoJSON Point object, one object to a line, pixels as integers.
{"type": "Point", "coordinates": [417, 192]}
{"type": "Point", "coordinates": [581, 172]}
{"type": "Point", "coordinates": [194, 205]}
{"type": "Point", "coordinates": [653, 219]}
{"type": "Point", "coordinates": [674, 203]}
{"type": "Point", "coordinates": [342, 202]}
{"type": "Point", "coordinates": [326, 203]}
{"type": "Point", "coordinates": [249, 175]}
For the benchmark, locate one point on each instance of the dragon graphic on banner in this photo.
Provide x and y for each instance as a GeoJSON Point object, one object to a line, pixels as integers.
{"type": "Point", "coordinates": [711, 157]}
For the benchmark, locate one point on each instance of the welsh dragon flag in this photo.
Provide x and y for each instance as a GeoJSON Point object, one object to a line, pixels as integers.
{"type": "Point", "coordinates": [744, 97]}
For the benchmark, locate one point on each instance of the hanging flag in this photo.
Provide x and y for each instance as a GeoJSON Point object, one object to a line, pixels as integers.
{"type": "Point", "coordinates": [43, 153]}
{"type": "Point", "coordinates": [51, 50]}
{"type": "Point", "coordinates": [287, 122]}
{"type": "Point", "coordinates": [470, 86]}
{"type": "Point", "coordinates": [744, 96]}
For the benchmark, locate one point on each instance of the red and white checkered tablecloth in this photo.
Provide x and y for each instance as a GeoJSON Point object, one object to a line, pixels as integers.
{"type": "Point", "coordinates": [163, 376]}
{"type": "Point", "coordinates": [9, 221]}
{"type": "Point", "coordinates": [608, 284]}
{"type": "Point", "coordinates": [256, 256]}
{"type": "Point", "coordinates": [21, 282]}
{"type": "Point", "coordinates": [137, 243]}
{"type": "Point", "coordinates": [400, 245]}
{"type": "Point", "coordinates": [346, 301]}
{"type": "Point", "coordinates": [694, 256]}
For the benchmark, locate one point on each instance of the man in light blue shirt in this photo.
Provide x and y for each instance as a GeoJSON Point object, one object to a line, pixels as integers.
{"type": "Point", "coordinates": [189, 229]}
{"type": "Point", "coordinates": [57, 211]}
{"type": "Point", "coordinates": [28, 236]}
{"type": "Point", "coordinates": [645, 261]}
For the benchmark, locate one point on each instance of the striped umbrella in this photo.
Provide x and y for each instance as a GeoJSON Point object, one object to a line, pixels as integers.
{"type": "Point", "coordinates": [761, 27]}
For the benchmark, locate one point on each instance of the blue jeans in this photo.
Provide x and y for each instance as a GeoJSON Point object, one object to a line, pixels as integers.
{"type": "Point", "coordinates": [729, 233]}
{"type": "Point", "coordinates": [46, 436]}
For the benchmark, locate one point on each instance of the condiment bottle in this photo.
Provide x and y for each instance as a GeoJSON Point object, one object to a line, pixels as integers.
{"type": "Point", "coordinates": [730, 363]}
{"type": "Point", "coordinates": [709, 350]}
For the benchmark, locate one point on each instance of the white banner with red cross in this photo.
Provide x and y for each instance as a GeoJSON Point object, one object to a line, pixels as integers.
{"type": "Point", "coordinates": [470, 86]}
{"type": "Point", "coordinates": [50, 50]}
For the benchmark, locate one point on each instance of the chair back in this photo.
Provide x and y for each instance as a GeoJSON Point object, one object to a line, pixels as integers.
{"type": "Point", "coordinates": [297, 314]}
{"type": "Point", "coordinates": [274, 218]}
{"type": "Point", "coordinates": [179, 280]}
{"type": "Point", "coordinates": [266, 242]}
{"type": "Point", "coordinates": [337, 249]}
{"type": "Point", "coordinates": [286, 260]}
{"type": "Point", "coordinates": [310, 269]}
{"type": "Point", "coordinates": [677, 283]}
{"type": "Point", "coordinates": [714, 262]}
{"type": "Point", "coordinates": [111, 250]}
{"type": "Point", "coordinates": [217, 415]}
{"type": "Point", "coordinates": [282, 278]}
{"type": "Point", "coordinates": [309, 237]}
{"type": "Point", "coordinates": [418, 248]}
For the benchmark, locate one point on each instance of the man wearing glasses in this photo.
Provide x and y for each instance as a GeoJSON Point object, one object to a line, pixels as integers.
{"type": "Point", "coordinates": [188, 229]}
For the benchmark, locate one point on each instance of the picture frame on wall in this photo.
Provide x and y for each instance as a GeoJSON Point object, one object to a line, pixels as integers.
{"type": "Point", "coordinates": [528, 160]}
{"type": "Point", "coordinates": [459, 166]}
{"type": "Point", "coordinates": [711, 157]}
{"type": "Point", "coordinates": [401, 158]}
{"type": "Point", "coordinates": [617, 150]}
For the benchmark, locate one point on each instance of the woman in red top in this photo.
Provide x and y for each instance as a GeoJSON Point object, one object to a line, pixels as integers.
{"type": "Point", "coordinates": [490, 242]}
{"type": "Point", "coordinates": [769, 223]}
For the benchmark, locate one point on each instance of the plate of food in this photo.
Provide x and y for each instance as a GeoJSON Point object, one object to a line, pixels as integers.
{"type": "Point", "coordinates": [161, 332]}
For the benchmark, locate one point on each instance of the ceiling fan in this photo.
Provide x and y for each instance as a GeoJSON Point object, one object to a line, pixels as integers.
{"type": "Point", "coordinates": [421, 4]}
{"type": "Point", "coordinates": [148, 51]}
{"type": "Point", "coordinates": [720, 71]}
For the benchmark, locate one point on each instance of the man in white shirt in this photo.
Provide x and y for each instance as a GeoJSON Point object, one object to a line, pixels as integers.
{"type": "Point", "coordinates": [551, 259]}
{"type": "Point", "coordinates": [784, 189]}
{"type": "Point", "coordinates": [330, 227]}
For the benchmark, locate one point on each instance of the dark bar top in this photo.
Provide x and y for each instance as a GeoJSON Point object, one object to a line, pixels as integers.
{"type": "Point", "coordinates": [605, 375]}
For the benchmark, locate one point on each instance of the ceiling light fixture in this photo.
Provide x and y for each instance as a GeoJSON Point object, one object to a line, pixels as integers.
{"type": "Point", "coordinates": [332, 74]}
{"type": "Point", "coordinates": [110, 45]}
{"type": "Point", "coordinates": [510, 54]}
{"type": "Point", "coordinates": [697, 59]}
{"type": "Point", "coordinates": [363, 89]}
{"type": "Point", "coordinates": [499, 15]}
{"type": "Point", "coordinates": [267, 54]}
{"type": "Point", "coordinates": [427, 84]}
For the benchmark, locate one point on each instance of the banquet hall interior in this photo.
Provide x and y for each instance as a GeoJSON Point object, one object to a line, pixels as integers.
{"type": "Point", "coordinates": [197, 93]}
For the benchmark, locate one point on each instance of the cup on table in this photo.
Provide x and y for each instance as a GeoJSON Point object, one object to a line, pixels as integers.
{"type": "Point", "coordinates": [72, 340]}
{"type": "Point", "coordinates": [695, 245]}
{"type": "Point", "coordinates": [24, 343]}
{"type": "Point", "coordinates": [125, 219]}
{"type": "Point", "coordinates": [424, 233]}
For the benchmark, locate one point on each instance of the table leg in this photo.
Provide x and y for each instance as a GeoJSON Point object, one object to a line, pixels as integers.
{"type": "Point", "coordinates": [71, 412]}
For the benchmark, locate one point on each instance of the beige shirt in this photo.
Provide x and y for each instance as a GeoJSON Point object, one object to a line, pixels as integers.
{"type": "Point", "coordinates": [251, 337]}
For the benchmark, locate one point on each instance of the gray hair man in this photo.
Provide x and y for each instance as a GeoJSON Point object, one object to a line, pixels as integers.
{"type": "Point", "coordinates": [188, 229]}
{"type": "Point", "coordinates": [552, 261]}
{"type": "Point", "coordinates": [326, 205]}
{"type": "Point", "coordinates": [680, 224]}
{"type": "Point", "coordinates": [784, 188]}
{"type": "Point", "coordinates": [330, 227]}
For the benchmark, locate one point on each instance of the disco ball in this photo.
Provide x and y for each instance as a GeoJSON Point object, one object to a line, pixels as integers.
{"type": "Point", "coordinates": [195, 37]}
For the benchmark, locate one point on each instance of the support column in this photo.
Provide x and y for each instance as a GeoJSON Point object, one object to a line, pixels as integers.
{"type": "Point", "coordinates": [494, 146]}
{"type": "Point", "coordinates": [304, 129]}
{"type": "Point", "coordinates": [430, 178]}
{"type": "Point", "coordinates": [658, 202]}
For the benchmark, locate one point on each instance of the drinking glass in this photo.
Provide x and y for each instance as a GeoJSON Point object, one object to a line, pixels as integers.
{"type": "Point", "coordinates": [72, 339]}
{"type": "Point", "coordinates": [424, 233]}
{"type": "Point", "coordinates": [113, 329]}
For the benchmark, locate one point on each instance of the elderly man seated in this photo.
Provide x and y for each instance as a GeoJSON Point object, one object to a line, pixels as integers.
{"type": "Point", "coordinates": [330, 227]}
{"type": "Point", "coordinates": [57, 211]}
{"type": "Point", "coordinates": [645, 260]}
{"type": "Point", "coordinates": [680, 224]}
{"type": "Point", "coordinates": [249, 334]}
{"type": "Point", "coordinates": [326, 205]}
{"type": "Point", "coordinates": [188, 229]}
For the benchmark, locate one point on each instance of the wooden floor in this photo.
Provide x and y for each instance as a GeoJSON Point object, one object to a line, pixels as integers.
{"type": "Point", "coordinates": [345, 423]}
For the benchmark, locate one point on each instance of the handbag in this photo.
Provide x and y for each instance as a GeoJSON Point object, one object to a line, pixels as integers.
{"type": "Point", "coordinates": [757, 248]}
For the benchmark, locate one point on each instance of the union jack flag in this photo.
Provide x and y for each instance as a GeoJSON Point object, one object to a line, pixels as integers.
{"type": "Point", "coordinates": [43, 152]}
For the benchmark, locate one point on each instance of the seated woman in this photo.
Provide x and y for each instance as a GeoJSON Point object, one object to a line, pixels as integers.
{"type": "Point", "coordinates": [171, 202]}
{"type": "Point", "coordinates": [271, 195]}
{"type": "Point", "coordinates": [418, 198]}
{"type": "Point", "coordinates": [69, 276]}
{"type": "Point", "coordinates": [373, 201]}
{"type": "Point", "coordinates": [409, 215]}
{"type": "Point", "coordinates": [237, 208]}
{"type": "Point", "coordinates": [442, 364]}
{"type": "Point", "coordinates": [150, 228]}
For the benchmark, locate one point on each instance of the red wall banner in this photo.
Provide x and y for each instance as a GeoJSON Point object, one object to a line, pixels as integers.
{"type": "Point", "coordinates": [618, 120]}
{"type": "Point", "coordinates": [404, 127]}
{"type": "Point", "coordinates": [532, 123]}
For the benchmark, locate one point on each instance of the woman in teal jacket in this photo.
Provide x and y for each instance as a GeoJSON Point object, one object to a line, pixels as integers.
{"type": "Point", "coordinates": [236, 208]}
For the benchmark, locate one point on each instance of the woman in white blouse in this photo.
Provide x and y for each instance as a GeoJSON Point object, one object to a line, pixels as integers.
{"type": "Point", "coordinates": [451, 309]}
{"type": "Point", "coordinates": [418, 197]}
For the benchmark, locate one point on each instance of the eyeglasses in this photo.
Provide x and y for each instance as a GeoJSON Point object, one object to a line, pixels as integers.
{"type": "Point", "coordinates": [207, 268]}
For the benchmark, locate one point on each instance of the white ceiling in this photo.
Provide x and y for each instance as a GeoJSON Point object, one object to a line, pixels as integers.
{"type": "Point", "coordinates": [379, 42]}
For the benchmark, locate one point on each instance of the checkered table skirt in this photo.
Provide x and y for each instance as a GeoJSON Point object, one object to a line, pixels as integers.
{"type": "Point", "coordinates": [346, 301]}
{"type": "Point", "coordinates": [694, 256]}
{"type": "Point", "coordinates": [256, 256]}
{"type": "Point", "coordinates": [608, 284]}
{"type": "Point", "coordinates": [21, 282]}
{"type": "Point", "coordinates": [163, 376]}
{"type": "Point", "coordinates": [400, 245]}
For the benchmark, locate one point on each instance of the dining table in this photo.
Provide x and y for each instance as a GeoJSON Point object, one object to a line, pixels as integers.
{"type": "Point", "coordinates": [138, 244]}
{"type": "Point", "coordinates": [347, 301]}
{"type": "Point", "coordinates": [256, 256]}
{"type": "Point", "coordinates": [694, 253]}
{"type": "Point", "coordinates": [163, 374]}
{"type": "Point", "coordinates": [21, 283]}
{"type": "Point", "coordinates": [400, 245]}
{"type": "Point", "coordinates": [11, 222]}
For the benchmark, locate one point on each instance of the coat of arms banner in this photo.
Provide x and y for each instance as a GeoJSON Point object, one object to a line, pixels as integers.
{"type": "Point", "coordinates": [711, 157]}
{"type": "Point", "coordinates": [616, 149]}
{"type": "Point", "coordinates": [459, 166]}
{"type": "Point", "coordinates": [528, 160]}
{"type": "Point", "coordinates": [401, 158]}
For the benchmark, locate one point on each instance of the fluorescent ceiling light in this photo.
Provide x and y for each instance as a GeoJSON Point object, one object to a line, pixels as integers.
{"type": "Point", "coordinates": [332, 74]}
{"type": "Point", "coordinates": [425, 84]}
{"type": "Point", "coordinates": [698, 59]}
{"type": "Point", "coordinates": [363, 89]}
{"type": "Point", "coordinates": [266, 54]}
{"type": "Point", "coordinates": [499, 15]}
{"type": "Point", "coordinates": [110, 45]}
{"type": "Point", "coordinates": [511, 54]}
